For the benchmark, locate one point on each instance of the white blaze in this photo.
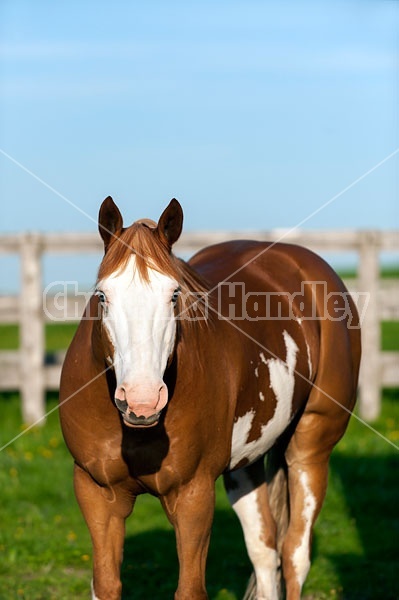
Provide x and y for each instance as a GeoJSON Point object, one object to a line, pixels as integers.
{"type": "Point", "coordinates": [139, 320]}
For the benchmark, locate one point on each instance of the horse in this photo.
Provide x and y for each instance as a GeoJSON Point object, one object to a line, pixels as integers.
{"type": "Point", "coordinates": [180, 372]}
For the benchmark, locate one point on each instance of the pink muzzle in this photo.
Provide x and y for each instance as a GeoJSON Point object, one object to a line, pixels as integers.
{"type": "Point", "coordinates": [141, 404]}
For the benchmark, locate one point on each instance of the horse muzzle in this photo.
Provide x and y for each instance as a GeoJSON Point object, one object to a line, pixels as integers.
{"type": "Point", "coordinates": [137, 412]}
{"type": "Point", "coordinates": [132, 420]}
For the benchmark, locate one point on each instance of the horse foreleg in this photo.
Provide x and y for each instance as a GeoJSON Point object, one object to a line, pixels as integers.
{"type": "Point", "coordinates": [105, 511]}
{"type": "Point", "coordinates": [190, 509]}
{"type": "Point", "coordinates": [247, 492]}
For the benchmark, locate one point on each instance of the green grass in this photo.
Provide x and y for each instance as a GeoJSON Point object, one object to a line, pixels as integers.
{"type": "Point", "coordinates": [58, 337]}
{"type": "Point", "coordinates": [390, 335]}
{"type": "Point", "coordinates": [386, 272]}
{"type": "Point", "coordinates": [357, 531]}
{"type": "Point", "coordinates": [45, 550]}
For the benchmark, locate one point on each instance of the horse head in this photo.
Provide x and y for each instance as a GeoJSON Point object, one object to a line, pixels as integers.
{"type": "Point", "coordinates": [138, 290]}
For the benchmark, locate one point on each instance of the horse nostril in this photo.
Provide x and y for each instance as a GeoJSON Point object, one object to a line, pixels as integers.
{"type": "Point", "coordinates": [121, 405]}
{"type": "Point", "coordinates": [162, 396]}
{"type": "Point", "coordinates": [120, 393]}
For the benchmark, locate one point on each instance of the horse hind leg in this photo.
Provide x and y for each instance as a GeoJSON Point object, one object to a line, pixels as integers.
{"type": "Point", "coordinates": [308, 452]}
{"type": "Point", "coordinates": [307, 485]}
{"type": "Point", "coordinates": [307, 458]}
{"type": "Point", "coordinates": [247, 491]}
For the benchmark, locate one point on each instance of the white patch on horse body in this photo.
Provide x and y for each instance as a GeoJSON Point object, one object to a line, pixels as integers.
{"type": "Point", "coordinates": [309, 361]}
{"type": "Point", "coordinates": [256, 372]}
{"type": "Point", "coordinates": [282, 382]}
{"type": "Point", "coordinates": [300, 558]}
{"type": "Point", "coordinates": [261, 396]}
{"type": "Point", "coordinates": [244, 501]}
{"type": "Point", "coordinates": [299, 320]}
{"type": "Point", "coordinates": [241, 431]}
{"type": "Point", "coordinates": [262, 358]}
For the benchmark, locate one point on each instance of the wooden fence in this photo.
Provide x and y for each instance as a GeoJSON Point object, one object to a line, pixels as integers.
{"type": "Point", "coordinates": [27, 371]}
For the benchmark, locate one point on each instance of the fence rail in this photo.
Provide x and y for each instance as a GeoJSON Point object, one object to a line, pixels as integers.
{"type": "Point", "coordinates": [27, 371]}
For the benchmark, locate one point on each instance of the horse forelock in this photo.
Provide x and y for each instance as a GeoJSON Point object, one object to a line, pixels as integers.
{"type": "Point", "coordinates": [140, 240]}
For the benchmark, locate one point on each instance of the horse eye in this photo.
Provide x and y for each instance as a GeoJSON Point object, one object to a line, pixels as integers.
{"type": "Point", "coordinates": [101, 296]}
{"type": "Point", "coordinates": [176, 295]}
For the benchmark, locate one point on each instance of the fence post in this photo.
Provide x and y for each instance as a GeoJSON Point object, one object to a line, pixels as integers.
{"type": "Point", "coordinates": [31, 331]}
{"type": "Point", "coordinates": [370, 371]}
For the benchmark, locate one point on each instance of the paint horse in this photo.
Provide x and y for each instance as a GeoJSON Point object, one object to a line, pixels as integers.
{"type": "Point", "coordinates": [180, 372]}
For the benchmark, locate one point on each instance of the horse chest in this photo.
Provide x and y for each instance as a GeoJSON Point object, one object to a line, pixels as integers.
{"type": "Point", "coordinates": [250, 437]}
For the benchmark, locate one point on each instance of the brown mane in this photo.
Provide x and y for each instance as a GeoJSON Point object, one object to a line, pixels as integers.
{"type": "Point", "coordinates": [141, 240]}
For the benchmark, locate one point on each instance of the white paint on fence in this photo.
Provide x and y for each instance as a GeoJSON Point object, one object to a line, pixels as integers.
{"type": "Point", "coordinates": [25, 370]}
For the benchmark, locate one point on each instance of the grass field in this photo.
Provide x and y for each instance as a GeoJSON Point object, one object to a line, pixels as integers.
{"type": "Point", "coordinates": [45, 550]}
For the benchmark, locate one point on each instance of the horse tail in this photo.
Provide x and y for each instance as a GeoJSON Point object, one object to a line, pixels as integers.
{"type": "Point", "coordinates": [277, 484]}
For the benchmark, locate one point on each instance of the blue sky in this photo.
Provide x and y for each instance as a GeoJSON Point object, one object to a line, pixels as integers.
{"type": "Point", "coordinates": [252, 113]}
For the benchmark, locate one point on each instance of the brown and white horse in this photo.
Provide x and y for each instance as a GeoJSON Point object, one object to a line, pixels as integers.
{"type": "Point", "coordinates": [180, 372]}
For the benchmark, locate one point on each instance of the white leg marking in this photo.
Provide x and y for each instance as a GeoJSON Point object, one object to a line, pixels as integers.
{"type": "Point", "coordinates": [93, 595]}
{"type": "Point", "coordinates": [300, 558]}
{"type": "Point", "coordinates": [264, 559]}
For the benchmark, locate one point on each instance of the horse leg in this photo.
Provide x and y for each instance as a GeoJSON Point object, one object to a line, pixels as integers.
{"type": "Point", "coordinates": [105, 511]}
{"type": "Point", "coordinates": [248, 495]}
{"type": "Point", "coordinates": [190, 509]}
{"type": "Point", "coordinates": [307, 458]}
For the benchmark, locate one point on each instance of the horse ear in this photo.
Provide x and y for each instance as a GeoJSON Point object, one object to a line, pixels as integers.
{"type": "Point", "coordinates": [170, 223]}
{"type": "Point", "coordinates": [110, 221]}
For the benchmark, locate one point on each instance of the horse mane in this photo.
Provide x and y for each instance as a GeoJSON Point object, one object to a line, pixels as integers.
{"type": "Point", "coordinates": [150, 253]}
